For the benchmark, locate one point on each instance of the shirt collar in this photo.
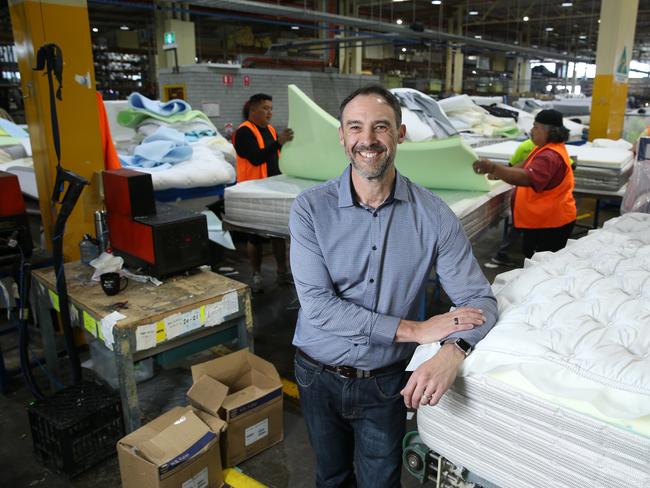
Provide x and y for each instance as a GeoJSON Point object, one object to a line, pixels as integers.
{"type": "Point", "coordinates": [346, 199]}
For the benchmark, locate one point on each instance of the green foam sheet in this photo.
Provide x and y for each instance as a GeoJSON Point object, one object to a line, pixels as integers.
{"type": "Point", "coordinates": [316, 153]}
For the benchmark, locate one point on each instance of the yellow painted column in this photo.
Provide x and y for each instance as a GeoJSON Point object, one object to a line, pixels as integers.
{"type": "Point", "coordinates": [615, 42]}
{"type": "Point", "coordinates": [65, 23]}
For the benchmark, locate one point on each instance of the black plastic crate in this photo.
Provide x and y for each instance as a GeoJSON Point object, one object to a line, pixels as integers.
{"type": "Point", "coordinates": [76, 428]}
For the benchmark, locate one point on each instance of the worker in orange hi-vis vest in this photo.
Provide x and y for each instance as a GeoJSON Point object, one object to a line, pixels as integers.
{"type": "Point", "coordinates": [543, 204]}
{"type": "Point", "coordinates": [258, 148]}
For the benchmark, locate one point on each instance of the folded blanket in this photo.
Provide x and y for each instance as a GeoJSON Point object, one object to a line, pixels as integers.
{"type": "Point", "coordinates": [205, 168]}
{"type": "Point", "coordinates": [132, 117]}
{"type": "Point", "coordinates": [140, 102]}
{"type": "Point", "coordinates": [162, 149]}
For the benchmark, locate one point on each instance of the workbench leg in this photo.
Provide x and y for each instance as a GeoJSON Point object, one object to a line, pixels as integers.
{"type": "Point", "coordinates": [123, 348]}
{"type": "Point", "coordinates": [41, 301]}
{"type": "Point", "coordinates": [245, 325]}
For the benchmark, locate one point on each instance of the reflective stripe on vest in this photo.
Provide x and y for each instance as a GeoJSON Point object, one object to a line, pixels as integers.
{"type": "Point", "coordinates": [245, 169]}
{"type": "Point", "coordinates": [549, 208]}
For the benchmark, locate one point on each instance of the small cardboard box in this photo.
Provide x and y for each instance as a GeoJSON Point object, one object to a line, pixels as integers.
{"type": "Point", "coordinates": [246, 392]}
{"type": "Point", "coordinates": [180, 448]}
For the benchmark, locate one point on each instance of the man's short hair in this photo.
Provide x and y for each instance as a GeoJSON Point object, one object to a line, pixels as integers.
{"type": "Point", "coordinates": [253, 102]}
{"type": "Point", "coordinates": [257, 98]}
{"type": "Point", "coordinates": [374, 90]}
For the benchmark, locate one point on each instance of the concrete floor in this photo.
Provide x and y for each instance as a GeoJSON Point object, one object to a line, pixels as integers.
{"type": "Point", "coordinates": [288, 464]}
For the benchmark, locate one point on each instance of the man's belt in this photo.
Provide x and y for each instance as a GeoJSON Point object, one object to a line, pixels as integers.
{"type": "Point", "coordinates": [350, 372]}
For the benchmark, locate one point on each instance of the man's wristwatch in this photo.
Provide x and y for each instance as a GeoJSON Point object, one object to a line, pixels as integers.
{"type": "Point", "coordinates": [461, 344]}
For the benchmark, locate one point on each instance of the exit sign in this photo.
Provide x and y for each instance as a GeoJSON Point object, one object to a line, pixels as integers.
{"type": "Point", "coordinates": [169, 40]}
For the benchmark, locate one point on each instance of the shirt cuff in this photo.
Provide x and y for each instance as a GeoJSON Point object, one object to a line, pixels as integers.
{"type": "Point", "coordinates": [383, 333]}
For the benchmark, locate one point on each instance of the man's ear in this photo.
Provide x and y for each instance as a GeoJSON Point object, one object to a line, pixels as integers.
{"type": "Point", "coordinates": [341, 140]}
{"type": "Point", "coordinates": [401, 134]}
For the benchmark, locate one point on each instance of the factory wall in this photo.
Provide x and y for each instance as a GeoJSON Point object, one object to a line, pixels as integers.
{"type": "Point", "coordinates": [224, 90]}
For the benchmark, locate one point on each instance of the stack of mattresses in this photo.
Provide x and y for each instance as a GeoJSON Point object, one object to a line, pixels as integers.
{"type": "Point", "coordinates": [598, 168]}
{"type": "Point", "coordinates": [558, 393]}
{"type": "Point", "coordinates": [263, 206]}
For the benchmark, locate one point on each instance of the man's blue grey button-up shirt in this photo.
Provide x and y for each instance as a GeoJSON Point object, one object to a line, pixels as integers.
{"type": "Point", "coordinates": [359, 271]}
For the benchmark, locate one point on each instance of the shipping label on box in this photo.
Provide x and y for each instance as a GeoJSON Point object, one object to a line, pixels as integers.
{"type": "Point", "coordinates": [256, 432]}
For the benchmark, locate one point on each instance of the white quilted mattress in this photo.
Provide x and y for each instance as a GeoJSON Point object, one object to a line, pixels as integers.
{"type": "Point", "coordinates": [263, 205]}
{"type": "Point", "coordinates": [558, 393]}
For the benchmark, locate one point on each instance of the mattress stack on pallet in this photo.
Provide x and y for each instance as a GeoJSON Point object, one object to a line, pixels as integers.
{"type": "Point", "coordinates": [598, 168]}
{"type": "Point", "coordinates": [263, 205]}
{"type": "Point", "coordinates": [558, 393]}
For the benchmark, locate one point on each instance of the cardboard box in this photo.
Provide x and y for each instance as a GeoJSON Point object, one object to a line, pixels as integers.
{"type": "Point", "coordinates": [246, 392]}
{"type": "Point", "coordinates": [178, 449]}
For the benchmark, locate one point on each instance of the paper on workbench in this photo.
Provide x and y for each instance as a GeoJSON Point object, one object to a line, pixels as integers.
{"type": "Point", "coordinates": [107, 324]}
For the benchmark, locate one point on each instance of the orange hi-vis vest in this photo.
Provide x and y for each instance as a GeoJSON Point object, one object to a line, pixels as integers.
{"type": "Point", "coordinates": [549, 208]}
{"type": "Point", "coordinates": [245, 169]}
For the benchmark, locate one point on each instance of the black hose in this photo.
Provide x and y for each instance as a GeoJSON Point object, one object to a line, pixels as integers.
{"type": "Point", "coordinates": [24, 285]}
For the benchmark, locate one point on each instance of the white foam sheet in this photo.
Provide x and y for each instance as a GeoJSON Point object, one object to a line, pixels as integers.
{"type": "Point", "coordinates": [264, 205]}
{"type": "Point", "coordinates": [599, 157]}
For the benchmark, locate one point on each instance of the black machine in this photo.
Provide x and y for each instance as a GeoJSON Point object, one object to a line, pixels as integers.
{"type": "Point", "coordinates": [158, 238]}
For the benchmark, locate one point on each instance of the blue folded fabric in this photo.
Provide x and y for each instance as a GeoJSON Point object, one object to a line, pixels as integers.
{"type": "Point", "coordinates": [140, 102]}
{"type": "Point", "coordinates": [12, 129]}
{"type": "Point", "coordinates": [165, 147]}
{"type": "Point", "coordinates": [195, 135]}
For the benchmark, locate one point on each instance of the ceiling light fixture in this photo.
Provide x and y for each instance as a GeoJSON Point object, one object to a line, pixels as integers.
{"type": "Point", "coordinates": [403, 49]}
{"type": "Point", "coordinates": [473, 71]}
{"type": "Point", "coordinates": [124, 27]}
{"type": "Point", "coordinates": [473, 12]}
{"type": "Point", "coordinates": [436, 2]}
{"type": "Point", "coordinates": [526, 18]}
{"type": "Point", "coordinates": [478, 37]}
{"type": "Point", "coordinates": [398, 21]}
{"type": "Point", "coordinates": [295, 27]}
{"type": "Point", "coordinates": [95, 29]}
{"type": "Point", "coordinates": [549, 29]}
{"type": "Point", "coordinates": [567, 4]}
{"type": "Point", "coordinates": [582, 37]}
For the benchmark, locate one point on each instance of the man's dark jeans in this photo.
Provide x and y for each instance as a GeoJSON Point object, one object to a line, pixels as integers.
{"type": "Point", "coordinates": [360, 421]}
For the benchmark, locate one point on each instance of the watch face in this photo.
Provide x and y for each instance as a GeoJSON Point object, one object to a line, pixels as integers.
{"type": "Point", "coordinates": [464, 346]}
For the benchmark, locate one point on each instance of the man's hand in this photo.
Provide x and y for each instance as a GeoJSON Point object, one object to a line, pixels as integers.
{"type": "Point", "coordinates": [433, 378]}
{"type": "Point", "coordinates": [285, 136]}
{"type": "Point", "coordinates": [483, 166]}
{"type": "Point", "coordinates": [439, 326]}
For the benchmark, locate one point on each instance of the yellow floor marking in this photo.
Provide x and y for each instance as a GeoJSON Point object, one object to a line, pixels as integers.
{"type": "Point", "coordinates": [290, 389]}
{"type": "Point", "coordinates": [237, 479]}
{"type": "Point", "coordinates": [586, 215]}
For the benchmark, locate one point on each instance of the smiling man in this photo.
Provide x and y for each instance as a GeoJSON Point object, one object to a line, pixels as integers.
{"type": "Point", "coordinates": [363, 247]}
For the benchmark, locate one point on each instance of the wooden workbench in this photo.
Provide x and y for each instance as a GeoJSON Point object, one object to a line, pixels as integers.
{"type": "Point", "coordinates": [182, 316]}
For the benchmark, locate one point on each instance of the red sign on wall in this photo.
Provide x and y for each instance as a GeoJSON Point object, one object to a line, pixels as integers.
{"type": "Point", "coordinates": [247, 80]}
{"type": "Point", "coordinates": [228, 79]}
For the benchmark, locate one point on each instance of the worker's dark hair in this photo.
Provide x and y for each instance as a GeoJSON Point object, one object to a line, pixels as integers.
{"type": "Point", "coordinates": [254, 100]}
{"type": "Point", "coordinates": [557, 134]}
{"type": "Point", "coordinates": [374, 90]}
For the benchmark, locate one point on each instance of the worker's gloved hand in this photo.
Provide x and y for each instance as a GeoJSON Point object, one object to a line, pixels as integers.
{"type": "Point", "coordinates": [285, 136]}
{"type": "Point", "coordinates": [483, 166]}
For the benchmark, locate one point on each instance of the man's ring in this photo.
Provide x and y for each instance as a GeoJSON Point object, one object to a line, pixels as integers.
{"type": "Point", "coordinates": [427, 397]}
{"type": "Point", "coordinates": [455, 320]}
